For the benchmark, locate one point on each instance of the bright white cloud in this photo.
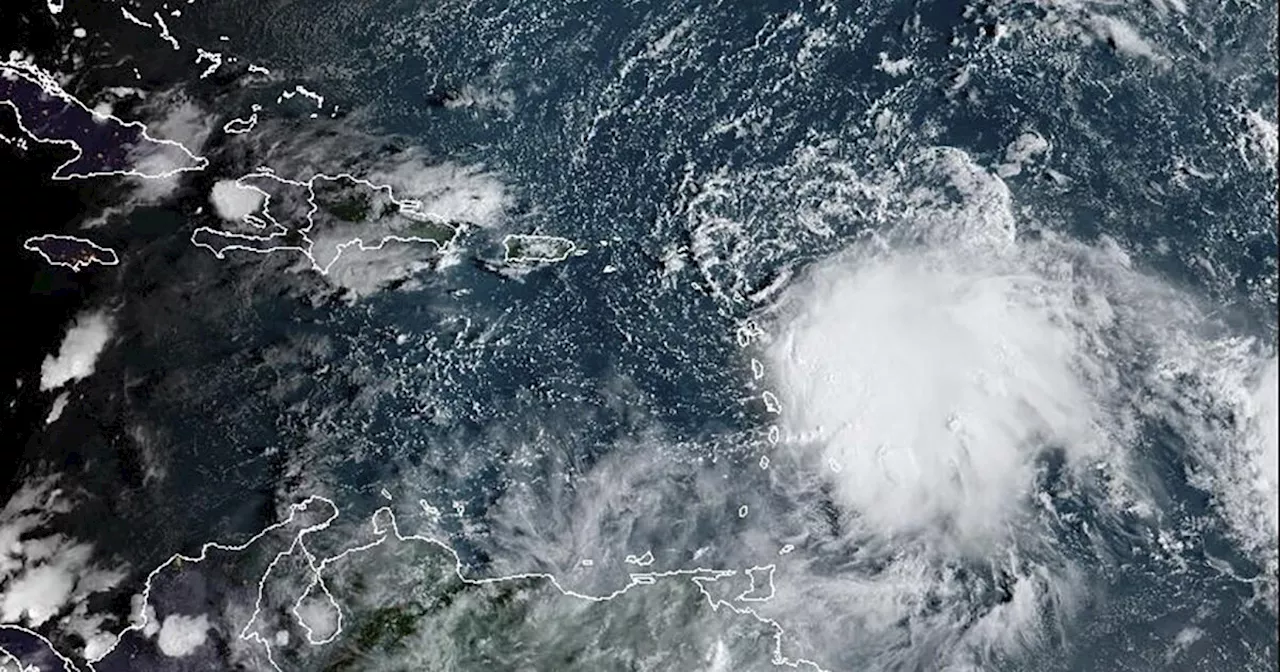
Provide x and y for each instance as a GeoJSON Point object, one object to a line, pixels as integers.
{"type": "Point", "coordinates": [1238, 462]}
{"type": "Point", "coordinates": [97, 645]}
{"type": "Point", "coordinates": [319, 616]}
{"type": "Point", "coordinates": [930, 383]}
{"type": "Point", "coordinates": [451, 192]}
{"type": "Point", "coordinates": [1025, 149]}
{"type": "Point", "coordinates": [1263, 413]}
{"type": "Point", "coordinates": [42, 577]}
{"type": "Point", "coordinates": [926, 376]}
{"type": "Point", "coordinates": [156, 189]}
{"type": "Point", "coordinates": [1260, 138]}
{"type": "Point", "coordinates": [927, 380]}
{"type": "Point", "coordinates": [232, 201]}
{"type": "Point", "coordinates": [1124, 37]}
{"type": "Point", "coordinates": [181, 635]}
{"type": "Point", "coordinates": [184, 122]}
{"type": "Point", "coordinates": [59, 405]}
{"type": "Point", "coordinates": [364, 272]}
{"type": "Point", "coordinates": [37, 594]}
{"type": "Point", "coordinates": [86, 338]}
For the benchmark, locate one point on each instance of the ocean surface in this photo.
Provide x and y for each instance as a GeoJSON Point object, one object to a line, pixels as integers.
{"type": "Point", "coordinates": [892, 337]}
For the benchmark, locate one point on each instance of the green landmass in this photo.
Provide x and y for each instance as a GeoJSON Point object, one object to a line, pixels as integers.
{"type": "Point", "coordinates": [536, 248]}
{"type": "Point", "coordinates": [436, 232]}
{"type": "Point", "coordinates": [353, 208]}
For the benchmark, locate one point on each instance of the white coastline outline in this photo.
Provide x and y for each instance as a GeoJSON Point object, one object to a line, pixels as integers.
{"type": "Point", "coordinates": [75, 266]}
{"type": "Point", "coordinates": [164, 32]}
{"type": "Point", "coordinates": [34, 75]}
{"type": "Point", "coordinates": [410, 208]}
{"type": "Point", "coordinates": [68, 665]}
{"type": "Point", "coordinates": [243, 124]}
{"type": "Point", "coordinates": [506, 248]}
{"type": "Point", "coordinates": [384, 531]}
{"type": "Point", "coordinates": [132, 18]}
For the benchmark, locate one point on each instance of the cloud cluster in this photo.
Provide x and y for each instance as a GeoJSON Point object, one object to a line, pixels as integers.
{"type": "Point", "coordinates": [952, 391]}
{"type": "Point", "coordinates": [180, 635]}
{"type": "Point", "coordinates": [85, 340]}
{"type": "Point", "coordinates": [179, 120]}
{"type": "Point", "coordinates": [46, 576]}
{"type": "Point", "coordinates": [232, 201]}
{"type": "Point", "coordinates": [948, 388]}
{"type": "Point", "coordinates": [929, 385]}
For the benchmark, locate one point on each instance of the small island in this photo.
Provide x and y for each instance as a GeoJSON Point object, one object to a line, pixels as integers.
{"type": "Point", "coordinates": [70, 251]}
{"type": "Point", "coordinates": [537, 249]}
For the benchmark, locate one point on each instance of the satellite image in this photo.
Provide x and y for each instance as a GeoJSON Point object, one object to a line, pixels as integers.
{"type": "Point", "coordinates": [640, 336]}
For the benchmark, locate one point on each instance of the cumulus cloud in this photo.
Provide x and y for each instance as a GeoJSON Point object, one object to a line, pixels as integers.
{"type": "Point", "coordinates": [93, 628]}
{"type": "Point", "coordinates": [59, 405]}
{"type": "Point", "coordinates": [927, 381]}
{"type": "Point", "coordinates": [232, 201]}
{"type": "Point", "coordinates": [161, 163]}
{"type": "Point", "coordinates": [185, 123]}
{"type": "Point", "coordinates": [37, 595]}
{"type": "Point", "coordinates": [1259, 141]}
{"type": "Point", "coordinates": [42, 574]}
{"type": "Point", "coordinates": [32, 506]}
{"type": "Point", "coordinates": [365, 271]}
{"type": "Point", "coordinates": [454, 193]}
{"type": "Point", "coordinates": [930, 384]}
{"type": "Point", "coordinates": [85, 339]}
{"type": "Point", "coordinates": [180, 121]}
{"type": "Point", "coordinates": [1124, 37]}
{"type": "Point", "coordinates": [319, 616]}
{"type": "Point", "coordinates": [181, 635]}
{"type": "Point", "coordinates": [1238, 462]}
{"type": "Point", "coordinates": [1025, 149]}
{"type": "Point", "coordinates": [1263, 441]}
